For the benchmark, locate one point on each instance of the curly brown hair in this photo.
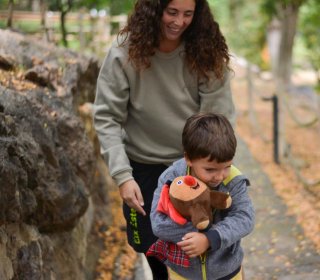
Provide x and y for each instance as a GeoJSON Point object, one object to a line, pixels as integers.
{"type": "Point", "coordinates": [205, 46]}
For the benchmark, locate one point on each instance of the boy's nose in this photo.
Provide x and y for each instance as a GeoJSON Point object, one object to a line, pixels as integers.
{"type": "Point", "coordinates": [219, 175]}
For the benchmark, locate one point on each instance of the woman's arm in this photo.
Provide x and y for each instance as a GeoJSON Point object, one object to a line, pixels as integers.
{"type": "Point", "coordinates": [110, 112]}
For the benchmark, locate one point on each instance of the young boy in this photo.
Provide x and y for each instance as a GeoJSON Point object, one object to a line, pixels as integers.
{"type": "Point", "coordinates": [209, 146]}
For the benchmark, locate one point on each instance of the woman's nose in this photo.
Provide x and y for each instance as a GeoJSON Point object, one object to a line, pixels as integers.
{"type": "Point", "coordinates": [179, 20]}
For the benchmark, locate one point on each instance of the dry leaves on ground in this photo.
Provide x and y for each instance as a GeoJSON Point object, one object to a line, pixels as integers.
{"type": "Point", "coordinates": [117, 259]}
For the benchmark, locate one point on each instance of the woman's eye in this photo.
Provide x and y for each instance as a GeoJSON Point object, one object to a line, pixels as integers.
{"type": "Point", "coordinates": [172, 12]}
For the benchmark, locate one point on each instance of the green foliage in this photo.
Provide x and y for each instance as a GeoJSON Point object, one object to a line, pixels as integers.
{"type": "Point", "coordinates": [310, 30]}
{"type": "Point", "coordinates": [91, 4]}
{"type": "Point", "coordinates": [115, 6]}
{"type": "Point", "coordinates": [4, 4]}
{"type": "Point", "coordinates": [220, 12]}
{"type": "Point", "coordinates": [3, 24]}
{"type": "Point", "coordinates": [121, 6]}
{"type": "Point", "coordinates": [28, 27]}
{"type": "Point", "coordinates": [244, 24]}
{"type": "Point", "coordinates": [268, 7]}
{"type": "Point", "coordinates": [310, 33]}
{"type": "Point", "coordinates": [271, 7]}
{"type": "Point", "coordinates": [244, 27]}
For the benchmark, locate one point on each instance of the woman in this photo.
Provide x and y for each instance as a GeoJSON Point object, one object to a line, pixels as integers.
{"type": "Point", "coordinates": [169, 62]}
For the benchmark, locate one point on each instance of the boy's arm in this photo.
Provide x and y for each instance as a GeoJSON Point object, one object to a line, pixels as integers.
{"type": "Point", "coordinates": [238, 222]}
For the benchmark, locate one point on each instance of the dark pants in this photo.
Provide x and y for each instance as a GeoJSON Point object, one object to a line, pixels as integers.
{"type": "Point", "coordinates": [139, 231]}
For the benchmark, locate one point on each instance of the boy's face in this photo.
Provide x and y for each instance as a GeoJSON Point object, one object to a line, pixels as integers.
{"type": "Point", "coordinates": [210, 172]}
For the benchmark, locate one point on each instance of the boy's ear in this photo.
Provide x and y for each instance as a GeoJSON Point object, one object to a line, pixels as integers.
{"type": "Point", "coordinates": [188, 161]}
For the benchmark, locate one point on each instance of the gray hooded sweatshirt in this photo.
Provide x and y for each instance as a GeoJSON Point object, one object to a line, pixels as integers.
{"type": "Point", "coordinates": [225, 254]}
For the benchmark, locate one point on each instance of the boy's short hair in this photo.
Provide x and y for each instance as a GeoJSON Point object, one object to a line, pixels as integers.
{"type": "Point", "coordinates": [209, 135]}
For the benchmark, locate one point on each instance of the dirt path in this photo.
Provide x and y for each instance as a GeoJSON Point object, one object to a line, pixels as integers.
{"type": "Point", "coordinates": [277, 249]}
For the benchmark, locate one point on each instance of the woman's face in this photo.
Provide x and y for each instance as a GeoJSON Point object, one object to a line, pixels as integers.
{"type": "Point", "coordinates": [176, 17]}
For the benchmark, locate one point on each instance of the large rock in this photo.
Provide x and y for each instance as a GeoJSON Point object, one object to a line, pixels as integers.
{"type": "Point", "coordinates": [47, 161]}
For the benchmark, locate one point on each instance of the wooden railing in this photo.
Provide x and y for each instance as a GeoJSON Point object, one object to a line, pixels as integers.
{"type": "Point", "coordinates": [93, 31]}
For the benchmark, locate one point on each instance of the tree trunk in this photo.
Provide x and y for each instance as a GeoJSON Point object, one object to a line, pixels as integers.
{"type": "Point", "coordinates": [43, 9]}
{"type": "Point", "coordinates": [288, 18]}
{"type": "Point", "coordinates": [64, 9]}
{"type": "Point", "coordinates": [10, 13]}
{"type": "Point", "coordinates": [63, 28]}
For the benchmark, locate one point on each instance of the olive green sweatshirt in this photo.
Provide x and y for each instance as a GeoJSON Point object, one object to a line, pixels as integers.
{"type": "Point", "coordinates": [140, 114]}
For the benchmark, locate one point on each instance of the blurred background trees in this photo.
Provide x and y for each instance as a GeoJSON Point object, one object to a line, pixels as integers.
{"type": "Point", "coordinates": [273, 35]}
{"type": "Point", "coordinates": [277, 36]}
{"type": "Point", "coordinates": [246, 24]}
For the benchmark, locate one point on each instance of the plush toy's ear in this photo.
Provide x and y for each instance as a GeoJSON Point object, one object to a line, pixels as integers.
{"type": "Point", "coordinates": [220, 200]}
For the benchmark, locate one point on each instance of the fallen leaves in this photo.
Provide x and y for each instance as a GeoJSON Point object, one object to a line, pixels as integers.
{"type": "Point", "coordinates": [117, 259]}
{"type": "Point", "coordinates": [15, 80]}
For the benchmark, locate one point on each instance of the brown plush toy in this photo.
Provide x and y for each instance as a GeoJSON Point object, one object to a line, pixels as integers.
{"type": "Point", "coordinates": [188, 198]}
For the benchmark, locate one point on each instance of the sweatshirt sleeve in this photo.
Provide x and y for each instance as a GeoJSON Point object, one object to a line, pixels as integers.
{"type": "Point", "coordinates": [163, 226]}
{"type": "Point", "coordinates": [216, 97]}
{"type": "Point", "coordinates": [110, 113]}
{"type": "Point", "coordinates": [238, 221]}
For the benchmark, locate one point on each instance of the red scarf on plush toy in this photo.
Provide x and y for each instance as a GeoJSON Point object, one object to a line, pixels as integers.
{"type": "Point", "coordinates": [166, 207]}
{"type": "Point", "coordinates": [165, 250]}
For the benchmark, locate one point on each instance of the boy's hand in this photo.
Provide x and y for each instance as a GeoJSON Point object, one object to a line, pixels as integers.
{"type": "Point", "coordinates": [194, 244]}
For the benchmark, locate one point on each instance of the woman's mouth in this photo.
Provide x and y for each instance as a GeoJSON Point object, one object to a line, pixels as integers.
{"type": "Point", "coordinates": [174, 31]}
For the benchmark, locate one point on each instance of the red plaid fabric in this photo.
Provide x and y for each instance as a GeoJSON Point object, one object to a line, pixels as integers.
{"type": "Point", "coordinates": [165, 250]}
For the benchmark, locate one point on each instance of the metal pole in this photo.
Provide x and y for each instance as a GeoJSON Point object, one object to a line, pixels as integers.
{"type": "Point", "coordinates": [275, 129]}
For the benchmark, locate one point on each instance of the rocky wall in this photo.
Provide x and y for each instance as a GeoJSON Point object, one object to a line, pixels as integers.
{"type": "Point", "coordinates": [49, 188]}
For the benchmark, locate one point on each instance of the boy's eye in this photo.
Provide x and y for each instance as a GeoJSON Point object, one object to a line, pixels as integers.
{"type": "Point", "coordinates": [210, 170]}
{"type": "Point", "coordinates": [179, 182]}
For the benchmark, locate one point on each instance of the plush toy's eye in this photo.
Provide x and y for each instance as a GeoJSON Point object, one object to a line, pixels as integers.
{"type": "Point", "coordinates": [179, 182]}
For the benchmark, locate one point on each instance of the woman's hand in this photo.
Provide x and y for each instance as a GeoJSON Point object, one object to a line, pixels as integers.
{"type": "Point", "coordinates": [131, 194]}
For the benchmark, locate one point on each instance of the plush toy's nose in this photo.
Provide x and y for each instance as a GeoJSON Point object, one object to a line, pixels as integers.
{"type": "Point", "coordinates": [190, 180]}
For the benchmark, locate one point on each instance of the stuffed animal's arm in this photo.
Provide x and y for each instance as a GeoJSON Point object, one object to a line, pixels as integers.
{"type": "Point", "coordinates": [220, 200]}
{"type": "Point", "coordinates": [239, 221]}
